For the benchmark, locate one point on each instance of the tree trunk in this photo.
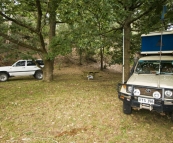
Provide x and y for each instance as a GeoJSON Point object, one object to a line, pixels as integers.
{"type": "Point", "coordinates": [80, 56]}
{"type": "Point", "coordinates": [127, 36]}
{"type": "Point", "coordinates": [101, 58]}
{"type": "Point", "coordinates": [48, 70]}
{"type": "Point", "coordinates": [49, 63]}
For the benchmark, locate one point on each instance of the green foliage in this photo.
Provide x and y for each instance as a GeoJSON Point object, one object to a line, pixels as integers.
{"type": "Point", "coordinates": [89, 22]}
{"type": "Point", "coordinates": [17, 27]}
{"type": "Point", "coordinates": [90, 25]}
{"type": "Point", "coordinates": [61, 44]}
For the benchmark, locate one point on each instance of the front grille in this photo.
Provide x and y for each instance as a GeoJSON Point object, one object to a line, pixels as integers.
{"type": "Point", "coordinates": [148, 91]}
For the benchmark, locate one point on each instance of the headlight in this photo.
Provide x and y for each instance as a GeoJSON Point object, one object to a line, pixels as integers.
{"type": "Point", "coordinates": [137, 92]}
{"type": "Point", "coordinates": [168, 93]}
{"type": "Point", "coordinates": [156, 94]}
{"type": "Point", "coordinates": [129, 89]}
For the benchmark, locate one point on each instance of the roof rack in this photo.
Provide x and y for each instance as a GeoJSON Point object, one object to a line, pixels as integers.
{"type": "Point", "coordinates": [157, 43]}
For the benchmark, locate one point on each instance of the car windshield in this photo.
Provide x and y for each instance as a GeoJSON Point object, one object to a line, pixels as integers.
{"type": "Point", "coordinates": [154, 67]}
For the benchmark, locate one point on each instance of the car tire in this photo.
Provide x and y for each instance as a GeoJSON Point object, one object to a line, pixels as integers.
{"type": "Point", "coordinates": [38, 75]}
{"type": "Point", "coordinates": [3, 77]}
{"type": "Point", "coordinates": [127, 109]}
{"type": "Point", "coordinates": [172, 116]}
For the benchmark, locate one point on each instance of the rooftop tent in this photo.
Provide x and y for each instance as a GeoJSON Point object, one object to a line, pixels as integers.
{"type": "Point", "coordinates": [151, 43]}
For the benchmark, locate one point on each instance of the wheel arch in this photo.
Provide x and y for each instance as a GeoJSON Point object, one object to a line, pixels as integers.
{"type": "Point", "coordinates": [5, 73]}
{"type": "Point", "coordinates": [38, 71]}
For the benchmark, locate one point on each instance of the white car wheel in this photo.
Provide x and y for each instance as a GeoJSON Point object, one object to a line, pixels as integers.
{"type": "Point", "coordinates": [3, 77]}
{"type": "Point", "coordinates": [38, 75]}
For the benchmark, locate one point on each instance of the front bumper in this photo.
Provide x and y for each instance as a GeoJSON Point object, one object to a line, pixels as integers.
{"type": "Point", "coordinates": [160, 105]}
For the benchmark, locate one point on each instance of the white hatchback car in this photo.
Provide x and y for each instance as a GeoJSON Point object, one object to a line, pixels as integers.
{"type": "Point", "coordinates": [22, 68]}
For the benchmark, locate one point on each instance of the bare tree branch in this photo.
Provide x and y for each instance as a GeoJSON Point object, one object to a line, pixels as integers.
{"type": "Point", "coordinates": [39, 13]}
{"type": "Point", "coordinates": [59, 22]}
{"type": "Point", "coordinates": [133, 7]}
{"type": "Point", "coordinates": [146, 12]}
{"type": "Point", "coordinates": [39, 28]}
{"type": "Point", "coordinates": [112, 30]}
{"type": "Point", "coordinates": [18, 22]}
{"type": "Point", "coordinates": [19, 42]}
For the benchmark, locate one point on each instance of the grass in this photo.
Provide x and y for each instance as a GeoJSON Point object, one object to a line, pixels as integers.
{"type": "Point", "coordinates": [72, 109]}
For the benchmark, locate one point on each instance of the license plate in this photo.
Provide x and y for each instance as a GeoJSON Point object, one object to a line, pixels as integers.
{"type": "Point", "coordinates": [145, 100]}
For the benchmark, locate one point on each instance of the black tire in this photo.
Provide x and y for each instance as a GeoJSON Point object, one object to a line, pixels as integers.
{"type": "Point", "coordinates": [172, 116]}
{"type": "Point", "coordinates": [3, 77]}
{"type": "Point", "coordinates": [38, 75]}
{"type": "Point", "coordinates": [127, 109]}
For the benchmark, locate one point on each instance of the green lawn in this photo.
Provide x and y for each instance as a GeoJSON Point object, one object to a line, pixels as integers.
{"type": "Point", "coordinates": [72, 109]}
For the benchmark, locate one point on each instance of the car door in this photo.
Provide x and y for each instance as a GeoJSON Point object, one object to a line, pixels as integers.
{"type": "Point", "coordinates": [19, 68]}
{"type": "Point", "coordinates": [31, 67]}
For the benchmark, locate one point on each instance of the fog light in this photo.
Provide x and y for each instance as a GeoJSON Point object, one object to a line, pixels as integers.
{"type": "Point", "coordinates": [168, 93]}
{"type": "Point", "coordinates": [137, 92]}
{"type": "Point", "coordinates": [156, 94]}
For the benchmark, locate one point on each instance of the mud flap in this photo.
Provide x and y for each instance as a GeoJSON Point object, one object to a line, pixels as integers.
{"type": "Point", "coordinates": [127, 109]}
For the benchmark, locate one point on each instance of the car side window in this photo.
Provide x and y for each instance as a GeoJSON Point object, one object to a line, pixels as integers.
{"type": "Point", "coordinates": [40, 62]}
{"type": "Point", "coordinates": [20, 63]}
{"type": "Point", "coordinates": [30, 63]}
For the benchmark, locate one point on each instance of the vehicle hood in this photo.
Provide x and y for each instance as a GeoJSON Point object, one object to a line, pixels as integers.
{"type": "Point", "coordinates": [4, 68]}
{"type": "Point", "coordinates": [164, 81]}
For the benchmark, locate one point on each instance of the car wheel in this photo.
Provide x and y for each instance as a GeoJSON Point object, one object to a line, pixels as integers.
{"type": "Point", "coordinates": [3, 76]}
{"type": "Point", "coordinates": [38, 75]}
{"type": "Point", "coordinates": [172, 116]}
{"type": "Point", "coordinates": [127, 109]}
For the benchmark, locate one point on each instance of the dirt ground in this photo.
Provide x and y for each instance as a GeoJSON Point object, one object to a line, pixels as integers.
{"type": "Point", "coordinates": [73, 62]}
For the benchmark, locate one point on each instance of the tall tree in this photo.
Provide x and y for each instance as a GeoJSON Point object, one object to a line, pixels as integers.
{"type": "Point", "coordinates": [31, 25]}
{"type": "Point", "coordinates": [92, 19]}
{"type": "Point", "coordinates": [129, 12]}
